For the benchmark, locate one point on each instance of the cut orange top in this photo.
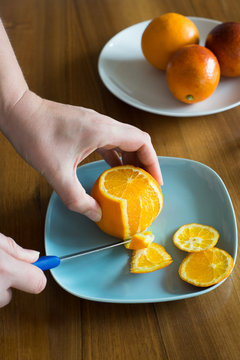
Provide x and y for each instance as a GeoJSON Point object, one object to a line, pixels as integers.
{"type": "Point", "coordinates": [130, 199]}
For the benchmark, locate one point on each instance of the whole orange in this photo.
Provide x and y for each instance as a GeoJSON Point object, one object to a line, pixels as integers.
{"type": "Point", "coordinates": [224, 42]}
{"type": "Point", "coordinates": [166, 34]}
{"type": "Point", "coordinates": [193, 74]}
{"type": "Point", "coordinates": [130, 199]}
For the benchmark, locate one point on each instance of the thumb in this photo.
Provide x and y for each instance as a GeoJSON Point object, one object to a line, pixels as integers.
{"type": "Point", "coordinates": [76, 199]}
{"type": "Point", "coordinates": [12, 248]}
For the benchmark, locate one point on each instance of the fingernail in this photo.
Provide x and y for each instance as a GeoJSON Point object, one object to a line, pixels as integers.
{"type": "Point", "coordinates": [94, 215]}
{"type": "Point", "coordinates": [161, 181]}
{"type": "Point", "coordinates": [33, 254]}
{"type": "Point", "coordinates": [160, 178]}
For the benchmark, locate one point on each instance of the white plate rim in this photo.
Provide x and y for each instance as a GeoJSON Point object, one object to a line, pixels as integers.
{"type": "Point", "coordinates": [120, 94]}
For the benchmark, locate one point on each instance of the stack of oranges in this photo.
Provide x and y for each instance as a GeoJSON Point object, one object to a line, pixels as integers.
{"type": "Point", "coordinates": [170, 43]}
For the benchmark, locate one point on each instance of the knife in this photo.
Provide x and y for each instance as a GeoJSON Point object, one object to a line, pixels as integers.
{"type": "Point", "coordinates": [51, 261]}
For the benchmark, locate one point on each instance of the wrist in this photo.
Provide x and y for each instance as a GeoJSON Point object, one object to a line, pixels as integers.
{"type": "Point", "coordinates": [18, 116]}
{"type": "Point", "coordinates": [8, 101]}
{"type": "Point", "coordinates": [12, 82]}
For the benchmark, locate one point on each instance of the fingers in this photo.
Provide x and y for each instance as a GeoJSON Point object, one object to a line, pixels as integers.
{"type": "Point", "coordinates": [12, 248]}
{"type": "Point", "coordinates": [75, 197]}
{"type": "Point", "coordinates": [18, 274]}
{"type": "Point", "coordinates": [131, 158]}
{"type": "Point", "coordinates": [136, 146]}
{"type": "Point", "coordinates": [110, 156]}
{"type": "Point", "coordinates": [5, 297]}
{"type": "Point", "coordinates": [26, 277]}
{"type": "Point", "coordinates": [147, 156]}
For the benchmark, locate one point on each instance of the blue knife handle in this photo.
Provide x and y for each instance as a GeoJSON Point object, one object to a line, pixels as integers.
{"type": "Point", "coordinates": [47, 262]}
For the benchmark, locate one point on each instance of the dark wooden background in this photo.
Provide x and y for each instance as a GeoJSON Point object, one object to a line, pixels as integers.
{"type": "Point", "coordinates": [57, 43]}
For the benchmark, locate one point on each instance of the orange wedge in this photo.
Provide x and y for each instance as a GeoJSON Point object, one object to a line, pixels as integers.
{"type": "Point", "coordinates": [206, 268]}
{"type": "Point", "coordinates": [152, 258]}
{"type": "Point", "coordinates": [195, 237]}
{"type": "Point", "coordinates": [140, 241]}
{"type": "Point", "coordinates": [130, 199]}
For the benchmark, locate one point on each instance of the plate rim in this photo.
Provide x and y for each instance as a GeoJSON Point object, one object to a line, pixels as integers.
{"type": "Point", "coordinates": [148, 300]}
{"type": "Point", "coordinates": [121, 95]}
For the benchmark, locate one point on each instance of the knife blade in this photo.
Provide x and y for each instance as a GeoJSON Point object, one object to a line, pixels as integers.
{"type": "Point", "coordinates": [51, 261]}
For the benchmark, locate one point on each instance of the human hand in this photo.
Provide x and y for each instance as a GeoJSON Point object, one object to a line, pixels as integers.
{"type": "Point", "coordinates": [16, 270]}
{"type": "Point", "coordinates": [54, 138]}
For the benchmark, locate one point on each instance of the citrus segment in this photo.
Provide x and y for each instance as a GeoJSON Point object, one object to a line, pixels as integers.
{"type": "Point", "coordinates": [206, 268]}
{"type": "Point", "coordinates": [195, 237]}
{"type": "Point", "coordinates": [130, 199]}
{"type": "Point", "coordinates": [140, 241]}
{"type": "Point", "coordinates": [152, 258]}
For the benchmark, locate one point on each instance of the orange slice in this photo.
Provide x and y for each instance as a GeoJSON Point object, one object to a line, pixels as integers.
{"type": "Point", "coordinates": [140, 241]}
{"type": "Point", "coordinates": [206, 268]}
{"type": "Point", "coordinates": [195, 237]}
{"type": "Point", "coordinates": [130, 199]}
{"type": "Point", "coordinates": [152, 258]}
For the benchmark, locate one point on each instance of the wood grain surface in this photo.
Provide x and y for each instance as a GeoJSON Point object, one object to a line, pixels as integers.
{"type": "Point", "coordinates": [57, 43]}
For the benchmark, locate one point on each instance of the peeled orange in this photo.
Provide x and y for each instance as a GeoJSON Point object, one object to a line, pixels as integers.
{"type": "Point", "coordinates": [130, 199]}
{"type": "Point", "coordinates": [166, 34]}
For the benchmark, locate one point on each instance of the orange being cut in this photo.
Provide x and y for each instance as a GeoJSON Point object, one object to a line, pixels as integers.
{"type": "Point", "coordinates": [140, 241]}
{"type": "Point", "coordinates": [152, 258]}
{"type": "Point", "coordinates": [195, 237]}
{"type": "Point", "coordinates": [206, 268]}
{"type": "Point", "coordinates": [130, 199]}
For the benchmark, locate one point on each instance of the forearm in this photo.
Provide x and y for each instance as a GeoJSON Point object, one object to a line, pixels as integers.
{"type": "Point", "coordinates": [12, 82]}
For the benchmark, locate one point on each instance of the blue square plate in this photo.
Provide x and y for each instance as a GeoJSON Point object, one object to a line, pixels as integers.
{"type": "Point", "coordinates": [192, 192]}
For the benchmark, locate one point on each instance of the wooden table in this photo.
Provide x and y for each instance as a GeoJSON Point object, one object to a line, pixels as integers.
{"type": "Point", "coordinates": [57, 43]}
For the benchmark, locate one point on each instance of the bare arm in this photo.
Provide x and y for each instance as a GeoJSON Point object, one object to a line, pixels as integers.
{"type": "Point", "coordinates": [54, 138]}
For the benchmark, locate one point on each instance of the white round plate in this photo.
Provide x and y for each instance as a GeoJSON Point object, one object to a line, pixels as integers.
{"type": "Point", "coordinates": [125, 72]}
